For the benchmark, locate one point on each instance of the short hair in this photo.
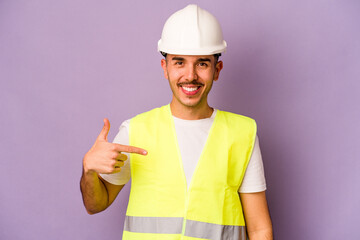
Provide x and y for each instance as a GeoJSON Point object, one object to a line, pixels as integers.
{"type": "Point", "coordinates": [216, 55]}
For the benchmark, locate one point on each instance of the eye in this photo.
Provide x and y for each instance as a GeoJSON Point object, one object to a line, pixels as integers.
{"type": "Point", "coordinates": [179, 63]}
{"type": "Point", "coordinates": [203, 64]}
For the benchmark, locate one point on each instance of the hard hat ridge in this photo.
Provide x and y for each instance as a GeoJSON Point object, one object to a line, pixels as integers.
{"type": "Point", "coordinates": [192, 31]}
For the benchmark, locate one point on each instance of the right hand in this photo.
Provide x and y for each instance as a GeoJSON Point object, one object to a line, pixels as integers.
{"type": "Point", "coordinates": [105, 157]}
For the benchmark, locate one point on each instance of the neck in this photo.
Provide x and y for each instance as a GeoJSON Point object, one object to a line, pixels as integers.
{"type": "Point", "coordinates": [190, 113]}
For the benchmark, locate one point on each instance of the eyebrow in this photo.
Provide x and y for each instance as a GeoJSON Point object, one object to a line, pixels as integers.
{"type": "Point", "coordinates": [204, 60]}
{"type": "Point", "coordinates": [199, 60]}
{"type": "Point", "coordinates": [177, 59]}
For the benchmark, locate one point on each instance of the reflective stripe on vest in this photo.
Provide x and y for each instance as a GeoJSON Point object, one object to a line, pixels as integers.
{"type": "Point", "coordinates": [165, 225]}
{"type": "Point", "coordinates": [169, 225]}
{"type": "Point", "coordinates": [162, 206]}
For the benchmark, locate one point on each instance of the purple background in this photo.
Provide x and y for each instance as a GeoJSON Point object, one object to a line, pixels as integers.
{"type": "Point", "coordinates": [294, 66]}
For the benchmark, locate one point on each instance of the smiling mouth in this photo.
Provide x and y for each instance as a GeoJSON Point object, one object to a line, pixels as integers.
{"type": "Point", "coordinates": [190, 89]}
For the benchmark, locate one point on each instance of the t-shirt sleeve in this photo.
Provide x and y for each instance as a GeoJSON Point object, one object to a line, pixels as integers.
{"type": "Point", "coordinates": [254, 179]}
{"type": "Point", "coordinates": [123, 176]}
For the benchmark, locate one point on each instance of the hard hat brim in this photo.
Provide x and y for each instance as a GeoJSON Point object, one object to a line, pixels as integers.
{"type": "Point", "coordinates": [192, 51]}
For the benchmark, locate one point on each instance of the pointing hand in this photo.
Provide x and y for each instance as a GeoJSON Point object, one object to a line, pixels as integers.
{"type": "Point", "coordinates": [105, 157]}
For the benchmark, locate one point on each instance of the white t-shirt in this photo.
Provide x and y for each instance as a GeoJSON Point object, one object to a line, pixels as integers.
{"type": "Point", "coordinates": [192, 136]}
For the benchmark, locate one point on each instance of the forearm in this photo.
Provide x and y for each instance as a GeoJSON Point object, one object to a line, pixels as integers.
{"type": "Point", "coordinates": [257, 217]}
{"type": "Point", "coordinates": [264, 234]}
{"type": "Point", "coordinates": [94, 193]}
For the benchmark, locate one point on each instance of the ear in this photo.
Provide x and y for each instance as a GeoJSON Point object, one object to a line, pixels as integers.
{"type": "Point", "coordinates": [218, 67]}
{"type": "Point", "coordinates": [163, 65]}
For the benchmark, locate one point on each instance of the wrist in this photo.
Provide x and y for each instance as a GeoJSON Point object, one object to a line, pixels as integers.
{"type": "Point", "coordinates": [87, 170]}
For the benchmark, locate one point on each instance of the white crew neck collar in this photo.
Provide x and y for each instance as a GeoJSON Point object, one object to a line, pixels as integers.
{"type": "Point", "coordinates": [197, 120]}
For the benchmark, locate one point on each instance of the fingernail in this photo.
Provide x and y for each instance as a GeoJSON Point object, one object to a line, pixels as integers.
{"type": "Point", "coordinates": [145, 152]}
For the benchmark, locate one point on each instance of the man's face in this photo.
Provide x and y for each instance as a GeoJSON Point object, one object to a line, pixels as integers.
{"type": "Point", "coordinates": [191, 77]}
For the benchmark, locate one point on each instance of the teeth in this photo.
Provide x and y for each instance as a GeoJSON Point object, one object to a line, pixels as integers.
{"type": "Point", "coordinates": [190, 89]}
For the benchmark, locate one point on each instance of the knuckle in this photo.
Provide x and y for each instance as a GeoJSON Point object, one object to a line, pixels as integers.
{"type": "Point", "coordinates": [113, 147]}
{"type": "Point", "coordinates": [112, 163]}
{"type": "Point", "coordinates": [113, 155]}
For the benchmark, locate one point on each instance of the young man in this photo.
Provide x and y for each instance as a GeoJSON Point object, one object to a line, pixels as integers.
{"type": "Point", "coordinates": [198, 173]}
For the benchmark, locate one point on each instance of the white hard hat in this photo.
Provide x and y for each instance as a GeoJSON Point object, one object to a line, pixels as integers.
{"type": "Point", "coordinates": [192, 31]}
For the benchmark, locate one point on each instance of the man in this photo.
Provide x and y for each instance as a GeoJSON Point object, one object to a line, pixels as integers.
{"type": "Point", "coordinates": [198, 173]}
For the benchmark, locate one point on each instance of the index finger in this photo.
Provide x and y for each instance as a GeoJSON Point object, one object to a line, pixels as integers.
{"type": "Point", "coordinates": [130, 149]}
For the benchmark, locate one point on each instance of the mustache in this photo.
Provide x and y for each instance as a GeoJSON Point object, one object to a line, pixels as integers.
{"type": "Point", "coordinates": [194, 82]}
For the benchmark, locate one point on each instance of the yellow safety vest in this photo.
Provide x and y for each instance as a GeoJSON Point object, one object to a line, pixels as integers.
{"type": "Point", "coordinates": [161, 206]}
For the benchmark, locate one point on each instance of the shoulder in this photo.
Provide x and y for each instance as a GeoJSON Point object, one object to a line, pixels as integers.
{"type": "Point", "coordinates": [235, 115]}
{"type": "Point", "coordinates": [125, 124]}
{"type": "Point", "coordinates": [233, 118]}
{"type": "Point", "coordinates": [151, 113]}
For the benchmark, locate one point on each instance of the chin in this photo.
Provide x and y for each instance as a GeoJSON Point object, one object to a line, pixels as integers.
{"type": "Point", "coordinates": [190, 103]}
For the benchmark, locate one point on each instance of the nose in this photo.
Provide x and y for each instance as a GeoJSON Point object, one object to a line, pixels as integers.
{"type": "Point", "coordinates": [191, 73]}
